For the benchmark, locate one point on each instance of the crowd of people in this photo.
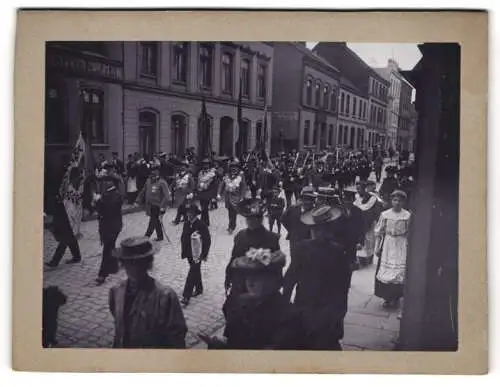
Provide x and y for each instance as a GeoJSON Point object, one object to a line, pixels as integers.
{"type": "Point", "coordinates": [338, 214]}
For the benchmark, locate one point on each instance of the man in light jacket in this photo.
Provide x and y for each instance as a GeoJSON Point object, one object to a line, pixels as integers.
{"type": "Point", "coordinates": [156, 196]}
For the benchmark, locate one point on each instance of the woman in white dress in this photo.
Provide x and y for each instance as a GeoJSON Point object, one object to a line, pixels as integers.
{"type": "Point", "coordinates": [392, 242]}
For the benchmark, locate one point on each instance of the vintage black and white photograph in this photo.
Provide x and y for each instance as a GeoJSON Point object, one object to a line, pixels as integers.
{"type": "Point", "coordinates": [251, 195]}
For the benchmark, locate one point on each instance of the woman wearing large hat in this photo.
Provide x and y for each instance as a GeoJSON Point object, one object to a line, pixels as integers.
{"type": "Point", "coordinates": [147, 314]}
{"type": "Point", "coordinates": [260, 318]}
{"type": "Point", "coordinates": [319, 272]}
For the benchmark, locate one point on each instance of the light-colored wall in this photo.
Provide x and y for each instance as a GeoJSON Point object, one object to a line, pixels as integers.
{"type": "Point", "coordinates": [167, 106]}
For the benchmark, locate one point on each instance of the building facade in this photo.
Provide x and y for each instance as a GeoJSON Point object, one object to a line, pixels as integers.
{"type": "Point", "coordinates": [353, 108]}
{"type": "Point", "coordinates": [146, 97]}
{"type": "Point", "coordinates": [391, 74]}
{"type": "Point", "coordinates": [407, 117]}
{"type": "Point", "coordinates": [366, 80]}
{"type": "Point", "coordinates": [305, 95]}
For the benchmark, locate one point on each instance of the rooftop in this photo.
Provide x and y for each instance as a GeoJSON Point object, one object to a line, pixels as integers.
{"type": "Point", "coordinates": [314, 56]}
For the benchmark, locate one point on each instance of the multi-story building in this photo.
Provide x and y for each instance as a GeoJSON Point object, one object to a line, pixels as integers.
{"type": "Point", "coordinates": [353, 107]}
{"type": "Point", "coordinates": [147, 96]}
{"type": "Point", "coordinates": [367, 80]}
{"type": "Point", "coordinates": [407, 116]}
{"type": "Point", "coordinates": [305, 94]}
{"type": "Point", "coordinates": [391, 73]}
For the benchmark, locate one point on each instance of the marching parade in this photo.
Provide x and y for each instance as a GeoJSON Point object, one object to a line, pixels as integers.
{"type": "Point", "coordinates": [338, 212]}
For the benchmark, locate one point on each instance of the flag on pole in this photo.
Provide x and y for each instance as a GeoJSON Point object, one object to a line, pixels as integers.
{"type": "Point", "coordinates": [239, 143]}
{"type": "Point", "coordinates": [265, 134]}
{"type": "Point", "coordinates": [72, 185]}
{"type": "Point", "coordinates": [205, 141]}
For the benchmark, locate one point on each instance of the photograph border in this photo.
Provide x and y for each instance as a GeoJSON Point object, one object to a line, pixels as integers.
{"type": "Point", "coordinates": [34, 28]}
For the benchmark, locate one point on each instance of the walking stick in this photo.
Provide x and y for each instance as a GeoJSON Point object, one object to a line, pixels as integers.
{"type": "Point", "coordinates": [164, 231]}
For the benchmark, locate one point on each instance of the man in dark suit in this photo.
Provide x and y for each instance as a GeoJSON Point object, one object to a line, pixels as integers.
{"type": "Point", "coordinates": [109, 208]}
{"type": "Point", "coordinates": [195, 235]}
{"type": "Point", "coordinates": [297, 231]}
{"type": "Point", "coordinates": [319, 271]}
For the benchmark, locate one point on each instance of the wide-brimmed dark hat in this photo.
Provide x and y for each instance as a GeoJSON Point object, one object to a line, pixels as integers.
{"type": "Point", "coordinates": [259, 263]}
{"type": "Point", "coordinates": [321, 215]}
{"type": "Point", "coordinates": [308, 192]}
{"type": "Point", "coordinates": [251, 207]}
{"type": "Point", "coordinates": [234, 164]}
{"type": "Point", "coordinates": [134, 248]}
{"type": "Point", "coordinates": [192, 208]}
{"type": "Point", "coordinates": [391, 169]}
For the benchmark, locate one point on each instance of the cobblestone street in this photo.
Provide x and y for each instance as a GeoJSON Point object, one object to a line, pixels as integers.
{"type": "Point", "coordinates": [85, 321]}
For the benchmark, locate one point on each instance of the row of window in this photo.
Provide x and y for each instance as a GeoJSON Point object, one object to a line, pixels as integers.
{"type": "Point", "coordinates": [324, 96]}
{"type": "Point", "coordinates": [378, 89]}
{"type": "Point", "coordinates": [358, 108]}
{"type": "Point", "coordinates": [180, 62]}
{"type": "Point", "coordinates": [319, 133]}
{"type": "Point", "coordinates": [352, 137]}
{"type": "Point", "coordinates": [56, 130]}
{"type": "Point", "coordinates": [378, 115]}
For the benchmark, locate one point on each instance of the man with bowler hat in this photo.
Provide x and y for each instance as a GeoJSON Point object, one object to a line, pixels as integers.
{"type": "Point", "coordinates": [195, 245]}
{"type": "Point", "coordinates": [146, 314]}
{"type": "Point", "coordinates": [319, 273]}
{"type": "Point", "coordinates": [109, 207]}
{"type": "Point", "coordinates": [156, 196]}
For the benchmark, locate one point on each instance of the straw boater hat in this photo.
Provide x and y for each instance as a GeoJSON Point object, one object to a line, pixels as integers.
{"type": "Point", "coordinates": [400, 194]}
{"type": "Point", "coordinates": [135, 248]}
{"type": "Point", "coordinates": [320, 216]}
{"type": "Point", "coordinates": [251, 207]}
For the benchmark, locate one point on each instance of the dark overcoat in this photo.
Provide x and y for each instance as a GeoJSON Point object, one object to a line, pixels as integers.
{"type": "Point", "coordinates": [109, 208]}
{"type": "Point", "coordinates": [320, 272]}
{"type": "Point", "coordinates": [188, 229]}
{"type": "Point", "coordinates": [267, 323]}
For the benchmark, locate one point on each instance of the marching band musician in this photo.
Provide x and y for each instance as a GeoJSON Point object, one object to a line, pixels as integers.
{"type": "Point", "coordinates": [234, 188]}
{"type": "Point", "coordinates": [184, 187]}
{"type": "Point", "coordinates": [206, 188]}
{"type": "Point", "coordinates": [156, 196]}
